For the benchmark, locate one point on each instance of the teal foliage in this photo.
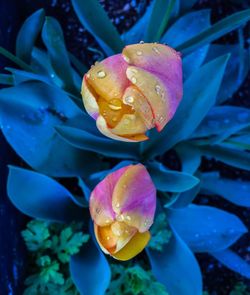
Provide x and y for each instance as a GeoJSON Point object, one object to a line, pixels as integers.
{"type": "Point", "coordinates": [43, 119]}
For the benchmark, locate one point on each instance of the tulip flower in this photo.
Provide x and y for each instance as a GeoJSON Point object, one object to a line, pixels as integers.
{"type": "Point", "coordinates": [122, 207]}
{"type": "Point", "coordinates": [135, 91]}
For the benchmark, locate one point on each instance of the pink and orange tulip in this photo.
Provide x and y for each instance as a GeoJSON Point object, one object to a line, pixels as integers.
{"type": "Point", "coordinates": [122, 207]}
{"type": "Point", "coordinates": [135, 91]}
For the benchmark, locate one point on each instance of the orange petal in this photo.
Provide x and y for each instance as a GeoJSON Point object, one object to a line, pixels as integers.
{"type": "Point", "coordinates": [134, 198]}
{"type": "Point", "coordinates": [89, 100]}
{"type": "Point", "coordinates": [108, 78]}
{"type": "Point", "coordinates": [134, 98]}
{"type": "Point", "coordinates": [133, 247]}
{"type": "Point", "coordinates": [130, 124]}
{"type": "Point", "coordinates": [105, 238]}
{"type": "Point", "coordinates": [105, 130]}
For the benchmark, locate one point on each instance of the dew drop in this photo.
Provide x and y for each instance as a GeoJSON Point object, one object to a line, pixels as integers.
{"type": "Point", "coordinates": [126, 58]}
{"type": "Point", "coordinates": [117, 205]}
{"type": "Point", "coordinates": [133, 80]}
{"type": "Point", "coordinates": [98, 210]}
{"type": "Point", "coordinates": [126, 122]}
{"type": "Point", "coordinates": [114, 119]}
{"type": "Point", "coordinates": [158, 89]}
{"type": "Point", "coordinates": [129, 99]}
{"type": "Point", "coordinates": [88, 75]}
{"type": "Point", "coordinates": [115, 104]}
{"type": "Point", "coordinates": [141, 42]}
{"type": "Point", "coordinates": [156, 50]}
{"type": "Point", "coordinates": [101, 74]}
{"type": "Point", "coordinates": [108, 238]}
{"type": "Point", "coordinates": [128, 217]}
{"type": "Point", "coordinates": [139, 53]}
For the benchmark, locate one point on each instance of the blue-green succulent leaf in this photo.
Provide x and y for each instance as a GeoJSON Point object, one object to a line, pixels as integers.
{"type": "Point", "coordinates": [41, 197]}
{"type": "Point", "coordinates": [186, 198]}
{"type": "Point", "coordinates": [161, 13]}
{"type": "Point", "coordinates": [184, 29]}
{"type": "Point", "coordinates": [53, 39]}
{"type": "Point", "coordinates": [200, 92]}
{"type": "Point", "coordinates": [223, 121]}
{"type": "Point", "coordinates": [83, 140]}
{"type": "Point", "coordinates": [186, 5]}
{"type": "Point", "coordinates": [217, 30]}
{"type": "Point", "coordinates": [176, 268]}
{"type": "Point", "coordinates": [90, 270]}
{"type": "Point", "coordinates": [233, 261]}
{"type": "Point", "coordinates": [169, 180]}
{"type": "Point", "coordinates": [235, 191]}
{"type": "Point", "coordinates": [94, 18]}
{"type": "Point", "coordinates": [206, 228]}
{"type": "Point", "coordinates": [28, 34]}
{"type": "Point", "coordinates": [6, 79]}
{"type": "Point", "coordinates": [137, 32]}
{"type": "Point", "coordinates": [241, 142]}
{"type": "Point", "coordinates": [189, 156]}
{"type": "Point", "coordinates": [236, 70]}
{"type": "Point", "coordinates": [235, 158]}
{"type": "Point", "coordinates": [28, 114]}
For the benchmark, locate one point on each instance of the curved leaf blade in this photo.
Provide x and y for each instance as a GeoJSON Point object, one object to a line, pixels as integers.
{"type": "Point", "coordinates": [176, 268]}
{"type": "Point", "coordinates": [41, 197]}
{"type": "Point", "coordinates": [217, 30]}
{"type": "Point", "coordinates": [90, 270]}
{"type": "Point", "coordinates": [205, 228]}
{"type": "Point", "coordinates": [93, 17]}
{"type": "Point", "coordinates": [87, 141]}
{"type": "Point", "coordinates": [169, 180]}
{"type": "Point", "coordinates": [28, 34]}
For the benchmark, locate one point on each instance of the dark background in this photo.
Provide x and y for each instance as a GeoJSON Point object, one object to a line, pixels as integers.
{"type": "Point", "coordinates": [124, 13]}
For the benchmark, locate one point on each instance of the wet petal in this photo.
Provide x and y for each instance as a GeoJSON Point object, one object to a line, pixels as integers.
{"type": "Point", "coordinates": [134, 98]}
{"type": "Point", "coordinates": [134, 198]}
{"type": "Point", "coordinates": [133, 247]}
{"type": "Point", "coordinates": [89, 100]}
{"type": "Point", "coordinates": [157, 59]}
{"type": "Point", "coordinates": [104, 129]}
{"type": "Point", "coordinates": [130, 124]}
{"type": "Point", "coordinates": [100, 202]}
{"type": "Point", "coordinates": [158, 93]}
{"type": "Point", "coordinates": [108, 78]}
{"type": "Point", "coordinates": [105, 238]}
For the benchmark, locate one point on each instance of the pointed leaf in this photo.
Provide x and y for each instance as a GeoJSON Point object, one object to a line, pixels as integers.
{"type": "Point", "coordinates": [41, 197]}
{"type": "Point", "coordinates": [235, 191]}
{"type": "Point", "coordinates": [28, 34]}
{"type": "Point", "coordinates": [176, 268]}
{"type": "Point", "coordinates": [90, 270]}
{"type": "Point", "coordinates": [169, 180]}
{"type": "Point", "coordinates": [205, 228]}
{"type": "Point", "coordinates": [233, 262]}
{"type": "Point", "coordinates": [93, 17]}
{"type": "Point", "coordinates": [99, 144]}
{"type": "Point", "coordinates": [28, 114]}
{"type": "Point", "coordinates": [219, 29]}
{"type": "Point", "coordinates": [53, 39]}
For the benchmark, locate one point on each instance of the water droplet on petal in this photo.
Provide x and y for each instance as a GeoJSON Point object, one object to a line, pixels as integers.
{"type": "Point", "coordinates": [156, 50]}
{"type": "Point", "coordinates": [133, 80]}
{"type": "Point", "coordinates": [88, 75]}
{"type": "Point", "coordinates": [115, 104]}
{"type": "Point", "coordinates": [158, 89]}
{"type": "Point", "coordinates": [129, 100]}
{"type": "Point", "coordinates": [101, 74]}
{"type": "Point", "coordinates": [128, 217]}
{"type": "Point", "coordinates": [139, 53]}
{"type": "Point", "coordinates": [141, 42]}
{"type": "Point", "coordinates": [108, 238]}
{"type": "Point", "coordinates": [126, 58]}
{"type": "Point", "coordinates": [117, 205]}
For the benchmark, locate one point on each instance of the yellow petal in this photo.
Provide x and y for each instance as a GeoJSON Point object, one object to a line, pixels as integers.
{"type": "Point", "coordinates": [155, 92]}
{"type": "Point", "coordinates": [133, 247]}
{"type": "Point", "coordinates": [130, 124]}
{"type": "Point", "coordinates": [104, 129]}
{"type": "Point", "coordinates": [89, 100]}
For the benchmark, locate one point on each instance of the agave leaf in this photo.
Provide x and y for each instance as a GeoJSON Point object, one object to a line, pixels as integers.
{"type": "Point", "coordinates": [176, 268]}
{"type": "Point", "coordinates": [200, 92]}
{"type": "Point", "coordinates": [41, 197]}
{"type": "Point", "coordinates": [161, 13]}
{"type": "Point", "coordinates": [236, 70]}
{"type": "Point", "coordinates": [53, 39]}
{"type": "Point", "coordinates": [233, 261]}
{"type": "Point", "coordinates": [28, 34]}
{"type": "Point", "coordinates": [241, 142]}
{"type": "Point", "coordinates": [6, 79]}
{"type": "Point", "coordinates": [206, 229]}
{"type": "Point", "coordinates": [235, 191]}
{"type": "Point", "coordinates": [93, 17]}
{"type": "Point", "coordinates": [217, 30]}
{"type": "Point", "coordinates": [169, 180]}
{"type": "Point", "coordinates": [90, 270]}
{"type": "Point", "coordinates": [185, 28]}
{"type": "Point", "coordinates": [83, 140]}
{"type": "Point", "coordinates": [28, 114]}
{"type": "Point", "coordinates": [238, 159]}
{"type": "Point", "coordinates": [186, 5]}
